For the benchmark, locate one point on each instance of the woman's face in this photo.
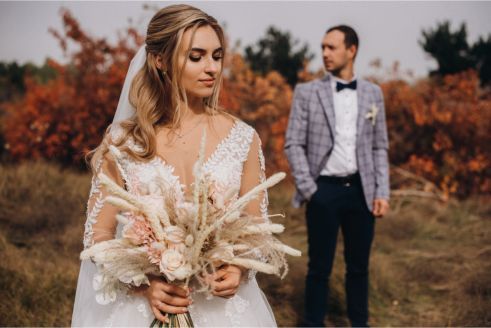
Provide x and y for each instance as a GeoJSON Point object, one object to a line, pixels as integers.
{"type": "Point", "coordinates": [203, 63]}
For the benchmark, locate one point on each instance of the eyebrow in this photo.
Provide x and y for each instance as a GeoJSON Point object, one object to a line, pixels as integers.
{"type": "Point", "coordinates": [204, 51]}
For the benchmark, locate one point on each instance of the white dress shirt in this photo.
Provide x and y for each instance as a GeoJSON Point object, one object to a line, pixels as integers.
{"type": "Point", "coordinates": [342, 161]}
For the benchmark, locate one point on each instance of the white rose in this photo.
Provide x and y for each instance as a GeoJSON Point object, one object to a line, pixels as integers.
{"type": "Point", "coordinates": [171, 260]}
{"type": "Point", "coordinates": [173, 265]}
{"type": "Point", "coordinates": [183, 272]}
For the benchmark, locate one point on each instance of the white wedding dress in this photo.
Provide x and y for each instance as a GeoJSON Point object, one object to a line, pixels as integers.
{"type": "Point", "coordinates": [248, 307]}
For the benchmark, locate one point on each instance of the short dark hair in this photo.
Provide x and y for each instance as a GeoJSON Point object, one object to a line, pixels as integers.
{"type": "Point", "coordinates": [350, 36]}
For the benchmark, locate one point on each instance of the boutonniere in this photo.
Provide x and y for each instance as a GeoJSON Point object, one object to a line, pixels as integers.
{"type": "Point", "coordinates": [372, 114]}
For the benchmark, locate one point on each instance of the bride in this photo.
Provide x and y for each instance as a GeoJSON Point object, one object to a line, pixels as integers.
{"type": "Point", "coordinates": [169, 98]}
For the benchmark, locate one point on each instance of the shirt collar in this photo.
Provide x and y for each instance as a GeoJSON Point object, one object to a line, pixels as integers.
{"type": "Point", "coordinates": [335, 79]}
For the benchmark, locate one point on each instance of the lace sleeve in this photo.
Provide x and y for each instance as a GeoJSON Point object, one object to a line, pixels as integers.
{"type": "Point", "coordinates": [253, 174]}
{"type": "Point", "coordinates": [101, 217]}
{"type": "Point", "coordinates": [92, 306]}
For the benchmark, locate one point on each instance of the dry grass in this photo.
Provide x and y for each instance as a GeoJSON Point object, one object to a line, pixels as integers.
{"type": "Point", "coordinates": [41, 222]}
{"type": "Point", "coordinates": [430, 262]}
{"type": "Point", "coordinates": [430, 266]}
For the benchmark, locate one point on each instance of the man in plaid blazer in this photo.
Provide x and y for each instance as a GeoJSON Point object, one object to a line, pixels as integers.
{"type": "Point", "coordinates": [337, 145]}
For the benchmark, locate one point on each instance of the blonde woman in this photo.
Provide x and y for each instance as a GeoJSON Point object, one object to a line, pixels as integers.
{"type": "Point", "coordinates": [169, 98]}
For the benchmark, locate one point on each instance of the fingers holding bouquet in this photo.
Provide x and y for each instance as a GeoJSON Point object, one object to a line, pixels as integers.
{"type": "Point", "coordinates": [166, 298]}
{"type": "Point", "coordinates": [182, 241]}
{"type": "Point", "coordinates": [226, 280]}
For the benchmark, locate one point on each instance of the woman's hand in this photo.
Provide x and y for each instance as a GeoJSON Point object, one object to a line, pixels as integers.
{"type": "Point", "coordinates": [226, 280]}
{"type": "Point", "coordinates": [167, 298]}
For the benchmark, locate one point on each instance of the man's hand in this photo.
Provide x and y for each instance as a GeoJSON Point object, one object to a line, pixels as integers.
{"type": "Point", "coordinates": [380, 207]}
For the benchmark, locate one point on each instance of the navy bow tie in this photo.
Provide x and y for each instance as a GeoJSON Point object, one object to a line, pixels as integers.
{"type": "Point", "coordinates": [340, 86]}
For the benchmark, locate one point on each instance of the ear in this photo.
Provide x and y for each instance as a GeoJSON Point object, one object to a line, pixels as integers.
{"type": "Point", "coordinates": [352, 51]}
{"type": "Point", "coordinates": [158, 61]}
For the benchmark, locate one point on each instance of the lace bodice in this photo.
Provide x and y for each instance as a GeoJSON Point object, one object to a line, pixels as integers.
{"type": "Point", "coordinates": [237, 162]}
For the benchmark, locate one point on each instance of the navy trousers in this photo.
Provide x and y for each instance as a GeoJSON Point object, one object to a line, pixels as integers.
{"type": "Point", "coordinates": [338, 203]}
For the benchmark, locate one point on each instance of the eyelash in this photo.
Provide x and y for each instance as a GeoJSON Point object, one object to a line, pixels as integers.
{"type": "Point", "coordinates": [198, 58]}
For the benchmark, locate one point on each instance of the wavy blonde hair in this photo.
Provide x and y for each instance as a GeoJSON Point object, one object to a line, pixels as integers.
{"type": "Point", "coordinates": [157, 94]}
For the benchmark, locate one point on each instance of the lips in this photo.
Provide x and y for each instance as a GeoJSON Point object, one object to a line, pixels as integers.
{"type": "Point", "coordinates": [208, 82]}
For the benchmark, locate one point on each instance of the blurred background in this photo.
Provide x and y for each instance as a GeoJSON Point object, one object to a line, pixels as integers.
{"type": "Point", "coordinates": [62, 65]}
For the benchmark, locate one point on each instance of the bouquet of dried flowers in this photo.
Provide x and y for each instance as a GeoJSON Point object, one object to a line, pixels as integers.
{"type": "Point", "coordinates": [187, 241]}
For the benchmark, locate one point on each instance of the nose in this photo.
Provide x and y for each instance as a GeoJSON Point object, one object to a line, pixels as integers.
{"type": "Point", "coordinates": [212, 66]}
{"type": "Point", "coordinates": [325, 52]}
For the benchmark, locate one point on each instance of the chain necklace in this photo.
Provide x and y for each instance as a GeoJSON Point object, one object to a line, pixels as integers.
{"type": "Point", "coordinates": [182, 135]}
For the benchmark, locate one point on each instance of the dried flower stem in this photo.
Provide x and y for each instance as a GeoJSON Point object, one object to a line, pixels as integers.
{"type": "Point", "coordinates": [198, 172]}
{"type": "Point", "coordinates": [242, 201]}
{"type": "Point", "coordinates": [255, 265]}
{"type": "Point", "coordinates": [263, 228]}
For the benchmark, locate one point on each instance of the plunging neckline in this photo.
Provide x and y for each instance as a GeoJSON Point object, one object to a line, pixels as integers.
{"type": "Point", "coordinates": [183, 187]}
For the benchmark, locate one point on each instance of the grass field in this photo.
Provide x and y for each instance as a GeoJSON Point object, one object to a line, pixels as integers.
{"type": "Point", "coordinates": [430, 264]}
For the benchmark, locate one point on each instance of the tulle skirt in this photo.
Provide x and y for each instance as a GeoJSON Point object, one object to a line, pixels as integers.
{"type": "Point", "coordinates": [248, 308]}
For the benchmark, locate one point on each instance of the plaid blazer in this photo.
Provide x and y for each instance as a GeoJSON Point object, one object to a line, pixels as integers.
{"type": "Point", "coordinates": [310, 138]}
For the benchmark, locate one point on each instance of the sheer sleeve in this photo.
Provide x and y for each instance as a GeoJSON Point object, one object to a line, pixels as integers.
{"type": "Point", "coordinates": [101, 216]}
{"type": "Point", "coordinates": [90, 309]}
{"type": "Point", "coordinates": [254, 174]}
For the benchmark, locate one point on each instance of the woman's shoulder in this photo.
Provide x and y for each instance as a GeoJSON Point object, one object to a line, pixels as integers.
{"type": "Point", "coordinates": [122, 140]}
{"type": "Point", "coordinates": [233, 123]}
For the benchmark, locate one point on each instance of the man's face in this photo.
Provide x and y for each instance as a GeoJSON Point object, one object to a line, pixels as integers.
{"type": "Point", "coordinates": [334, 52]}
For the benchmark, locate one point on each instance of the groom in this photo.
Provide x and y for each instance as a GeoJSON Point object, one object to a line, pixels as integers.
{"type": "Point", "coordinates": [336, 144]}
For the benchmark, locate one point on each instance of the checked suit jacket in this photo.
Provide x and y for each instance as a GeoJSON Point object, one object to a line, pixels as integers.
{"type": "Point", "coordinates": [311, 131]}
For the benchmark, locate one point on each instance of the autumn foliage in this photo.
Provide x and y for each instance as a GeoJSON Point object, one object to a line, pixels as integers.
{"type": "Point", "coordinates": [64, 118]}
{"type": "Point", "coordinates": [441, 130]}
{"type": "Point", "coordinates": [262, 101]}
{"type": "Point", "coordinates": [438, 129]}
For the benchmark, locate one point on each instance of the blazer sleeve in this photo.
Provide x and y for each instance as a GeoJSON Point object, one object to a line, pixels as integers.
{"type": "Point", "coordinates": [380, 150]}
{"type": "Point", "coordinates": [296, 143]}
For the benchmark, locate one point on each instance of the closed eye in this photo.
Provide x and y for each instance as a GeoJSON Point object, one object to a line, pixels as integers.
{"type": "Point", "coordinates": [196, 54]}
{"type": "Point", "coordinates": [195, 58]}
{"type": "Point", "coordinates": [218, 54]}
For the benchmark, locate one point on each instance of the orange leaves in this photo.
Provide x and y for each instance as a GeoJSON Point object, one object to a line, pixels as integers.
{"type": "Point", "coordinates": [262, 101]}
{"type": "Point", "coordinates": [62, 119]}
{"type": "Point", "coordinates": [441, 141]}
{"type": "Point", "coordinates": [479, 163]}
{"type": "Point", "coordinates": [440, 130]}
{"type": "Point", "coordinates": [422, 165]}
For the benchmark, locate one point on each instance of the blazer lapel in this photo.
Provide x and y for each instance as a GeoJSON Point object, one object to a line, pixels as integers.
{"type": "Point", "coordinates": [324, 91]}
{"type": "Point", "coordinates": [363, 108]}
